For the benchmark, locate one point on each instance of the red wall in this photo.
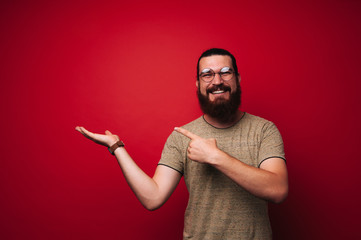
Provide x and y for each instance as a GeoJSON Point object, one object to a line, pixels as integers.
{"type": "Point", "coordinates": [130, 68]}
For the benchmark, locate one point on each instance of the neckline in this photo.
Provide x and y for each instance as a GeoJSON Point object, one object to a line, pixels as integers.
{"type": "Point", "coordinates": [244, 114]}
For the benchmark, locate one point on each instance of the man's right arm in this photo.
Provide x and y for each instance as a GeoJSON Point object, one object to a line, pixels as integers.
{"type": "Point", "coordinates": [151, 192]}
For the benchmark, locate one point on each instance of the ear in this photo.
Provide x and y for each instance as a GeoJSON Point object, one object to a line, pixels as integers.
{"type": "Point", "coordinates": [197, 83]}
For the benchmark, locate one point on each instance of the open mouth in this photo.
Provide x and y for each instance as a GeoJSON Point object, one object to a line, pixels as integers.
{"type": "Point", "coordinates": [218, 92]}
{"type": "Point", "coordinates": [218, 89]}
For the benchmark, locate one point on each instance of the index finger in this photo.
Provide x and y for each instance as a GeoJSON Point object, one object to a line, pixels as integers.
{"type": "Point", "coordinates": [186, 133]}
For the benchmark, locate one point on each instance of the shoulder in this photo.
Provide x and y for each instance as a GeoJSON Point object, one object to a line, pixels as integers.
{"type": "Point", "coordinates": [194, 126]}
{"type": "Point", "coordinates": [255, 121]}
{"type": "Point", "coordinates": [258, 124]}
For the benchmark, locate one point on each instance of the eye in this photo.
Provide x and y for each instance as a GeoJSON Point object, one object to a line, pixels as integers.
{"type": "Point", "coordinates": [207, 75]}
{"type": "Point", "coordinates": [226, 73]}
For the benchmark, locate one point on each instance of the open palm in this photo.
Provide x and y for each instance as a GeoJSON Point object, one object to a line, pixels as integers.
{"type": "Point", "coordinates": [107, 139]}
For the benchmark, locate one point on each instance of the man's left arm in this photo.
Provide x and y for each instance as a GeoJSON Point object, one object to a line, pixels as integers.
{"type": "Point", "coordinates": [269, 181]}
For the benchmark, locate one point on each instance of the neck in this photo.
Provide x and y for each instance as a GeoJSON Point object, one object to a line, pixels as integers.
{"type": "Point", "coordinates": [218, 124]}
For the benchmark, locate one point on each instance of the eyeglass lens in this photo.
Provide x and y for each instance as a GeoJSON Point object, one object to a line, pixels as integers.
{"type": "Point", "coordinates": [208, 74]}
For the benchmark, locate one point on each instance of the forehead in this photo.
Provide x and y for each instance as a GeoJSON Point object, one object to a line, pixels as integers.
{"type": "Point", "coordinates": [215, 62]}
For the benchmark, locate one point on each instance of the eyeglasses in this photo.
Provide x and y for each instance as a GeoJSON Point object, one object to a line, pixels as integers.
{"type": "Point", "coordinates": [207, 75]}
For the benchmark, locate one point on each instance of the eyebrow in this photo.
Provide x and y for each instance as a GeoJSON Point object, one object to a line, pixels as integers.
{"type": "Point", "coordinates": [225, 69]}
{"type": "Point", "coordinates": [206, 70]}
{"type": "Point", "coordinates": [209, 69]}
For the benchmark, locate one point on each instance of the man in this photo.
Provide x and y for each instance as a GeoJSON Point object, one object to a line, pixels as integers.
{"type": "Point", "coordinates": [232, 162]}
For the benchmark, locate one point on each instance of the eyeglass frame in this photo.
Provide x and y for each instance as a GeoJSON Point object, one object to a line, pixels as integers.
{"type": "Point", "coordinates": [210, 70]}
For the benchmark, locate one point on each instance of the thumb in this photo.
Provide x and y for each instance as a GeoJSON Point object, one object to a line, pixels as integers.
{"type": "Point", "coordinates": [107, 132]}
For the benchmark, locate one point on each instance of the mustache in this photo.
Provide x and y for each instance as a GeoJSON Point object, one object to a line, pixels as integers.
{"type": "Point", "coordinates": [218, 87]}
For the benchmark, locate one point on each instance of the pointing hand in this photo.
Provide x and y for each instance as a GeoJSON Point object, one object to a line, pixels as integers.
{"type": "Point", "coordinates": [200, 149]}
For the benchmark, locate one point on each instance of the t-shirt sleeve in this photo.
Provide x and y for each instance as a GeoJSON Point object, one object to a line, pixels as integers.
{"type": "Point", "coordinates": [173, 155]}
{"type": "Point", "coordinates": [271, 144]}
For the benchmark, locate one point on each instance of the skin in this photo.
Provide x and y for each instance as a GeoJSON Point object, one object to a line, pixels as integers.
{"type": "Point", "coordinates": [269, 182]}
{"type": "Point", "coordinates": [216, 63]}
{"type": "Point", "coordinates": [151, 192]}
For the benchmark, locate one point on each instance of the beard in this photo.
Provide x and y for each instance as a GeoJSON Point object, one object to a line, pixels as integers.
{"type": "Point", "coordinates": [221, 109]}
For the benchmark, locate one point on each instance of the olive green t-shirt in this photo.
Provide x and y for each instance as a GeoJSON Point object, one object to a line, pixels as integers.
{"type": "Point", "coordinates": [218, 208]}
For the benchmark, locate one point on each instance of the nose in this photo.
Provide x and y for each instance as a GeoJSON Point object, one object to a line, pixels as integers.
{"type": "Point", "coordinates": [217, 80]}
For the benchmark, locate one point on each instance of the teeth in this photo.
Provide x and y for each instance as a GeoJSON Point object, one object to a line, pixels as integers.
{"type": "Point", "coordinates": [219, 91]}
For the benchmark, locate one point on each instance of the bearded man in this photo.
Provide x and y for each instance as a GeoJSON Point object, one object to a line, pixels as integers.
{"type": "Point", "coordinates": [233, 162]}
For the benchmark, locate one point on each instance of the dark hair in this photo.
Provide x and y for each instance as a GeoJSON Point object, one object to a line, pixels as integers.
{"type": "Point", "coordinates": [218, 51]}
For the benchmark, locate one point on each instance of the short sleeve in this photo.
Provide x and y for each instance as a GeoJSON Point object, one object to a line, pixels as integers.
{"type": "Point", "coordinates": [173, 154]}
{"type": "Point", "coordinates": [271, 144]}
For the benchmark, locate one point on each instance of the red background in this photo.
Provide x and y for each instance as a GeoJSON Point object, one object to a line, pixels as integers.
{"type": "Point", "coordinates": [130, 68]}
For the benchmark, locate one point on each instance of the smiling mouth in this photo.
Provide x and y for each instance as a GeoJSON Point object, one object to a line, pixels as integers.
{"type": "Point", "coordinates": [218, 92]}
{"type": "Point", "coordinates": [214, 90]}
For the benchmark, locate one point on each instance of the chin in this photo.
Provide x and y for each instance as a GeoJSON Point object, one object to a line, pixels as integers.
{"type": "Point", "coordinates": [222, 108]}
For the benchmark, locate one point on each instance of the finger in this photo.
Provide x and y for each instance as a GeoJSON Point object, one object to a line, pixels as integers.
{"type": "Point", "coordinates": [107, 132]}
{"type": "Point", "coordinates": [86, 133]}
{"type": "Point", "coordinates": [186, 133]}
{"type": "Point", "coordinates": [79, 129]}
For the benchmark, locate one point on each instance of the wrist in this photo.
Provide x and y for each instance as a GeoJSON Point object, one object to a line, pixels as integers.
{"type": "Point", "coordinates": [217, 157]}
{"type": "Point", "coordinates": [109, 145]}
{"type": "Point", "coordinates": [115, 146]}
